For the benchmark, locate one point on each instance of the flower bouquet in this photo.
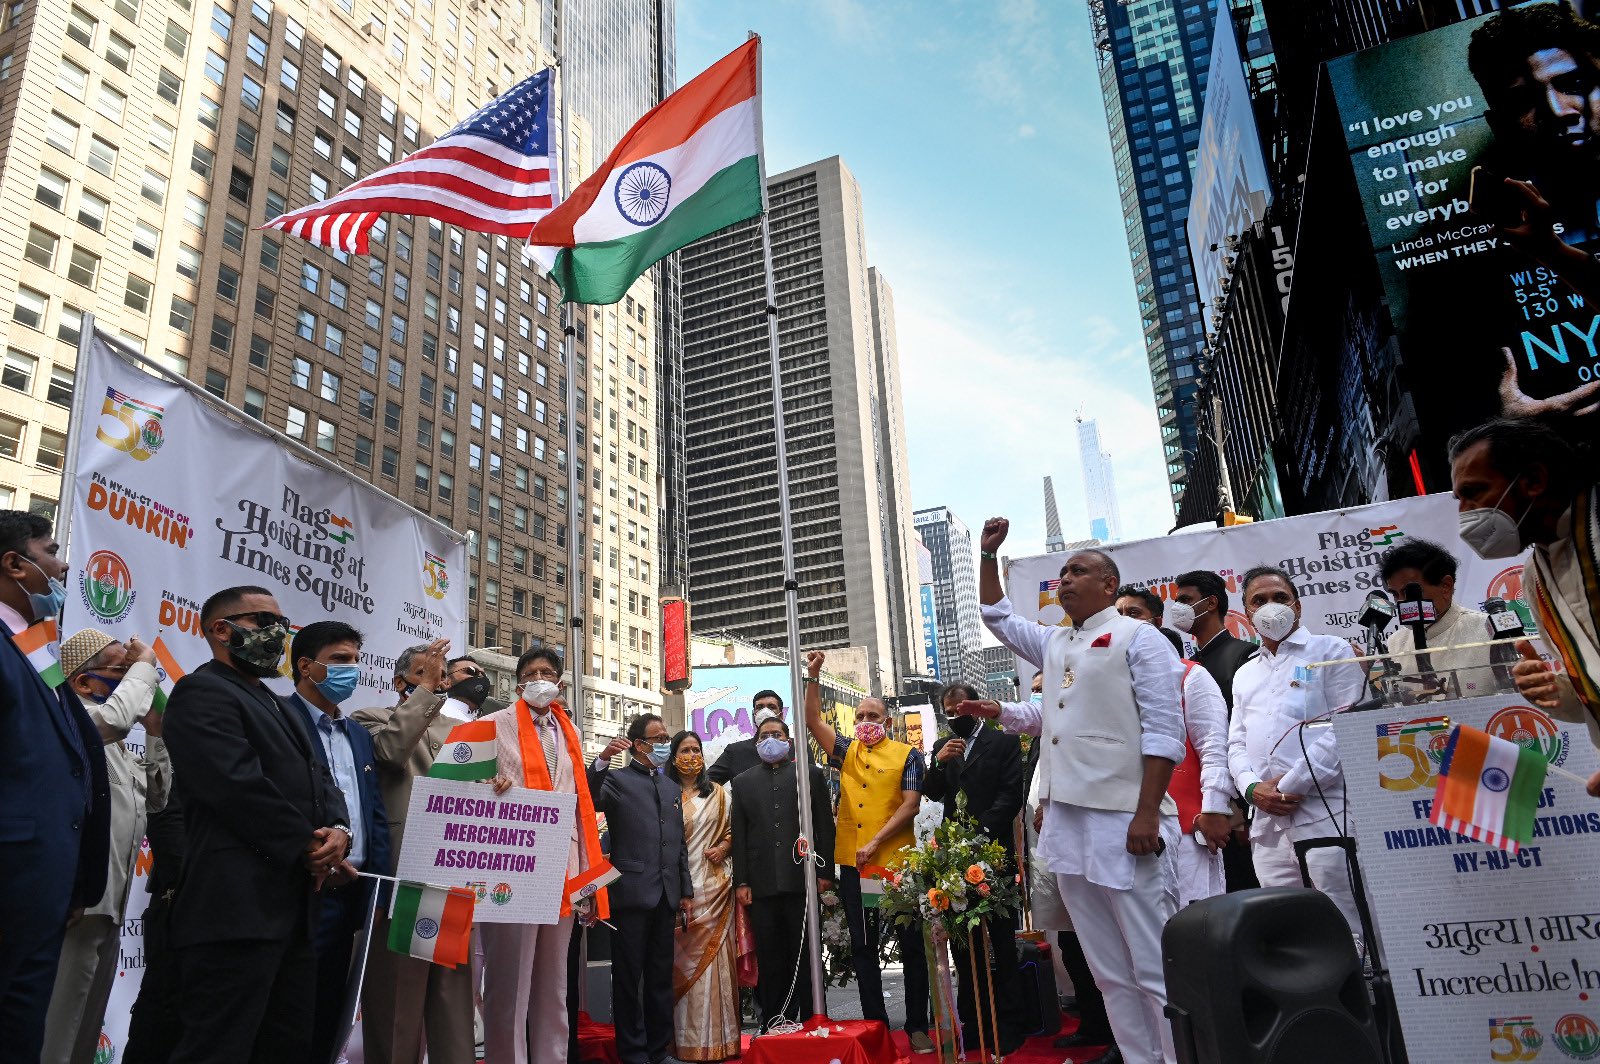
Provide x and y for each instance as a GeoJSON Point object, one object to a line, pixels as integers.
{"type": "Point", "coordinates": [949, 886]}
{"type": "Point", "coordinates": [837, 957]}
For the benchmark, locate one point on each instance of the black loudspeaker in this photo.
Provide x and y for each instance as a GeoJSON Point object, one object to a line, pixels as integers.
{"type": "Point", "coordinates": [1267, 976]}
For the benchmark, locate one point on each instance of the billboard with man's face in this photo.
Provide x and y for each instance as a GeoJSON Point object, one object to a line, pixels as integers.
{"type": "Point", "coordinates": [1476, 151]}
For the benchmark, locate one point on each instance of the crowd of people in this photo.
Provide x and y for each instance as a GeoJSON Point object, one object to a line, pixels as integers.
{"type": "Point", "coordinates": [1153, 780]}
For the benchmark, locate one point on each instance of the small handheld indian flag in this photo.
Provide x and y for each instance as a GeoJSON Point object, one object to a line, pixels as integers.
{"type": "Point", "coordinates": [591, 882]}
{"type": "Point", "coordinates": [171, 673]}
{"type": "Point", "coordinates": [468, 753]}
{"type": "Point", "coordinates": [872, 880]}
{"type": "Point", "coordinates": [40, 644]}
{"type": "Point", "coordinates": [1488, 788]}
{"type": "Point", "coordinates": [432, 923]}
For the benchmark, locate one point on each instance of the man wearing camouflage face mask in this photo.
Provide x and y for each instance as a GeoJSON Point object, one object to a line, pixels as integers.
{"type": "Point", "coordinates": [265, 825]}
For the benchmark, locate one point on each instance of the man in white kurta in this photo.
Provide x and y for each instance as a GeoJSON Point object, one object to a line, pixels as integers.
{"type": "Point", "coordinates": [1111, 732]}
{"type": "Point", "coordinates": [1290, 773]}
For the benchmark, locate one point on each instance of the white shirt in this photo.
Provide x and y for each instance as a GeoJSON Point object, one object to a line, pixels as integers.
{"type": "Point", "coordinates": [1205, 716]}
{"type": "Point", "coordinates": [1469, 667]}
{"type": "Point", "coordinates": [1270, 704]}
{"type": "Point", "coordinates": [1093, 843]}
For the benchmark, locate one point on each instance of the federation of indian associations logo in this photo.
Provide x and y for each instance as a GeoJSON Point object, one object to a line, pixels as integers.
{"type": "Point", "coordinates": [106, 585]}
{"type": "Point", "coordinates": [105, 1050]}
{"type": "Point", "coordinates": [1577, 1036]}
{"type": "Point", "coordinates": [427, 928]}
{"type": "Point", "coordinates": [1530, 728]}
{"type": "Point", "coordinates": [462, 753]}
{"type": "Point", "coordinates": [642, 192]}
{"type": "Point", "coordinates": [501, 893]}
{"type": "Point", "coordinates": [435, 576]}
{"type": "Point", "coordinates": [130, 425]}
{"type": "Point", "coordinates": [480, 890]}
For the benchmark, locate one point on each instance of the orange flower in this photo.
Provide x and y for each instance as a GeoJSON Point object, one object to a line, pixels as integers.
{"type": "Point", "coordinates": [974, 874]}
{"type": "Point", "coordinates": [983, 888]}
{"type": "Point", "coordinates": [938, 899]}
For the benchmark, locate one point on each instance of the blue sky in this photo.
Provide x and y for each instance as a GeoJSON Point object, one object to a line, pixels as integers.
{"type": "Point", "coordinates": [978, 136]}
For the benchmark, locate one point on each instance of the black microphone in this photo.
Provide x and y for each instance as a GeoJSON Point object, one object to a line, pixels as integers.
{"type": "Point", "coordinates": [1415, 617]}
{"type": "Point", "coordinates": [1376, 613]}
{"type": "Point", "coordinates": [1505, 625]}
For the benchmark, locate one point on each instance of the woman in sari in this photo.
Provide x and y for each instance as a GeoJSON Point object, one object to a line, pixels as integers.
{"type": "Point", "coordinates": [706, 1017]}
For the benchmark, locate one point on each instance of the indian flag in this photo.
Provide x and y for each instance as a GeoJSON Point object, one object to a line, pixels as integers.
{"type": "Point", "coordinates": [1488, 788]}
{"type": "Point", "coordinates": [873, 878]}
{"type": "Point", "coordinates": [432, 923]}
{"type": "Point", "coordinates": [468, 753]}
{"type": "Point", "coordinates": [40, 644]}
{"type": "Point", "coordinates": [171, 672]}
{"type": "Point", "coordinates": [690, 166]}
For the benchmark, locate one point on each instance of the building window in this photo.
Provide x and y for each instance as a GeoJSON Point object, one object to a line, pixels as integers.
{"type": "Point", "coordinates": [29, 308]}
{"type": "Point", "coordinates": [327, 436]}
{"type": "Point", "coordinates": [52, 450]}
{"type": "Point", "coordinates": [294, 423]}
{"type": "Point", "coordinates": [137, 295]}
{"type": "Point", "coordinates": [84, 267]}
{"type": "Point", "coordinates": [217, 383]}
{"type": "Point", "coordinates": [51, 189]}
{"type": "Point", "coordinates": [255, 403]}
{"type": "Point", "coordinates": [18, 370]}
{"type": "Point", "coordinates": [41, 247]}
{"type": "Point", "coordinates": [11, 430]}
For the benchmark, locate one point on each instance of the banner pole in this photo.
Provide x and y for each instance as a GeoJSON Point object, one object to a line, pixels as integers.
{"type": "Point", "coordinates": [69, 461]}
{"type": "Point", "coordinates": [791, 588]}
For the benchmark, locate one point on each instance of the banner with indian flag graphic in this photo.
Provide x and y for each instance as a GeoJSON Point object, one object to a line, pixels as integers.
{"type": "Point", "coordinates": [1489, 788]}
{"type": "Point", "coordinates": [689, 167]}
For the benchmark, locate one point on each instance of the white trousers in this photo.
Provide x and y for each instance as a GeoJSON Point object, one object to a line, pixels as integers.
{"type": "Point", "coordinates": [1276, 866]}
{"type": "Point", "coordinates": [84, 975]}
{"type": "Point", "coordinates": [1200, 873]}
{"type": "Point", "coordinates": [1120, 931]}
{"type": "Point", "coordinates": [525, 992]}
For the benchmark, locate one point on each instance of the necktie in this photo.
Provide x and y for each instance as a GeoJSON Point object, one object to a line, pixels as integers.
{"type": "Point", "coordinates": [548, 739]}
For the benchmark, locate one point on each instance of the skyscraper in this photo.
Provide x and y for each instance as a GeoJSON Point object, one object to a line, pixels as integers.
{"type": "Point", "coordinates": [955, 589]}
{"type": "Point", "coordinates": [144, 142]}
{"type": "Point", "coordinates": [843, 436]}
{"type": "Point", "coordinates": [1153, 56]}
{"type": "Point", "coordinates": [617, 64]}
{"type": "Point", "coordinates": [894, 483]}
{"type": "Point", "coordinates": [1053, 543]}
{"type": "Point", "coordinates": [1099, 485]}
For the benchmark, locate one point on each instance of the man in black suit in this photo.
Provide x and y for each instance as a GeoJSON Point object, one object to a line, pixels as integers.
{"type": "Point", "coordinates": [644, 815]}
{"type": "Point", "coordinates": [766, 823]}
{"type": "Point", "coordinates": [326, 666]}
{"type": "Point", "coordinates": [741, 756]}
{"type": "Point", "coordinates": [983, 764]}
{"type": "Point", "coordinates": [55, 797]}
{"type": "Point", "coordinates": [265, 826]}
{"type": "Point", "coordinates": [1220, 653]}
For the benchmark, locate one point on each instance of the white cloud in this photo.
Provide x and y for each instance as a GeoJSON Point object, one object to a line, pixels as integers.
{"type": "Point", "coordinates": [1026, 130]}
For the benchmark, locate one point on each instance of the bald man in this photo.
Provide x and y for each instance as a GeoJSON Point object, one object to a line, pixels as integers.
{"type": "Point", "coordinates": [880, 791]}
{"type": "Point", "coordinates": [1111, 732]}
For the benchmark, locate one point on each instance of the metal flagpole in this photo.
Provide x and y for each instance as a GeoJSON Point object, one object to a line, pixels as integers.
{"type": "Point", "coordinates": [577, 652]}
{"type": "Point", "coordinates": [791, 591]}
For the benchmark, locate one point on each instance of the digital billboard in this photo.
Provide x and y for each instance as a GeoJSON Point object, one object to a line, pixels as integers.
{"type": "Point", "coordinates": [1476, 153]}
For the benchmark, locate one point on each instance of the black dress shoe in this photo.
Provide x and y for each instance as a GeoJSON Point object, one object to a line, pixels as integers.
{"type": "Point", "coordinates": [1112, 1055]}
{"type": "Point", "coordinates": [1080, 1040]}
{"type": "Point", "coordinates": [1010, 1047]}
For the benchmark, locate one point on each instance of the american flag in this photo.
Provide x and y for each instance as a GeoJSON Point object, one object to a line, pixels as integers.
{"type": "Point", "coordinates": [491, 174]}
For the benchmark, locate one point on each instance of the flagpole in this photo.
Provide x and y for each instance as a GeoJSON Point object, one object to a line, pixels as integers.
{"type": "Point", "coordinates": [577, 653]}
{"type": "Point", "coordinates": [791, 589]}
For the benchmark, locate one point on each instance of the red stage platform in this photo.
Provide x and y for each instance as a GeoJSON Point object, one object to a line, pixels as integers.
{"type": "Point", "coordinates": [859, 1042]}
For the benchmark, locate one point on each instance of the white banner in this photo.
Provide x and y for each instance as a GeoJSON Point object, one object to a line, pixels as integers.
{"type": "Point", "coordinates": [174, 497]}
{"type": "Point", "coordinates": [1493, 955]}
{"type": "Point", "coordinates": [510, 849]}
{"type": "Point", "coordinates": [1333, 558]}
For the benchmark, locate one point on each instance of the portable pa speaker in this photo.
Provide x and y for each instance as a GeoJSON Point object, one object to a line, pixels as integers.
{"type": "Point", "coordinates": [1267, 977]}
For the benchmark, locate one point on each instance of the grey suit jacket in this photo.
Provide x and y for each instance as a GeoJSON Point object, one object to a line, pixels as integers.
{"type": "Point", "coordinates": [405, 739]}
{"type": "Point", "coordinates": [644, 815]}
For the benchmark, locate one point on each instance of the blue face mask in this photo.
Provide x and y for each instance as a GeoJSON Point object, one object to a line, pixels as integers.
{"type": "Point", "coordinates": [773, 749]}
{"type": "Point", "coordinates": [46, 606]}
{"type": "Point", "coordinates": [340, 683]}
{"type": "Point", "coordinates": [659, 752]}
{"type": "Point", "coordinates": [110, 682]}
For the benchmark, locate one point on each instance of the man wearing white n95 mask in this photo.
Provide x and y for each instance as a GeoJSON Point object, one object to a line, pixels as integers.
{"type": "Point", "coordinates": [1290, 774]}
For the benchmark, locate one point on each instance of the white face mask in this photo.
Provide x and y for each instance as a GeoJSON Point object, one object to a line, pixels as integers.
{"type": "Point", "coordinates": [1491, 532]}
{"type": "Point", "coordinates": [1274, 620]}
{"type": "Point", "coordinates": [539, 693]}
{"type": "Point", "coordinates": [1180, 615]}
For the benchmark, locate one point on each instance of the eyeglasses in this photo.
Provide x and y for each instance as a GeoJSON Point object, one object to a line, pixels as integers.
{"type": "Point", "coordinates": [469, 672]}
{"type": "Point", "coordinates": [263, 618]}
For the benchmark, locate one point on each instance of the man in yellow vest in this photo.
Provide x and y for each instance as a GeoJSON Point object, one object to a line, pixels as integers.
{"type": "Point", "coordinates": [880, 791]}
